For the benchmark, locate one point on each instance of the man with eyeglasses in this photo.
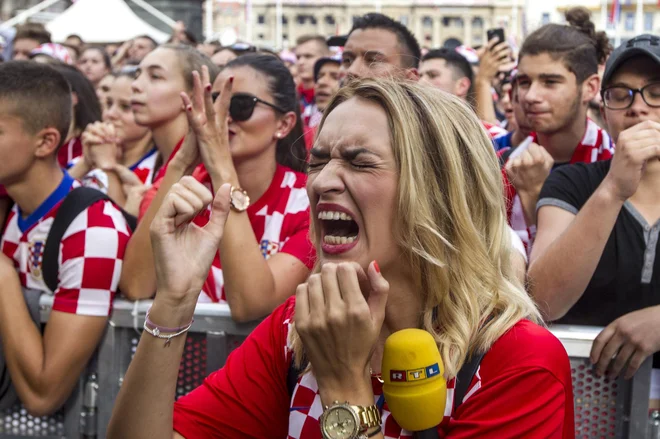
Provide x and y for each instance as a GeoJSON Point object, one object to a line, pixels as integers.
{"type": "Point", "coordinates": [595, 258]}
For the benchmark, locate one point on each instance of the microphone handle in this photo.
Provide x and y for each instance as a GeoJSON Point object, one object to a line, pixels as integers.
{"type": "Point", "coordinates": [430, 433]}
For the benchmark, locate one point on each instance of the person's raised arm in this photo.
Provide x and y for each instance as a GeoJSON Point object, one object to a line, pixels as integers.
{"type": "Point", "coordinates": [138, 277]}
{"type": "Point", "coordinates": [569, 245]}
{"type": "Point", "coordinates": [493, 58]}
{"type": "Point", "coordinates": [253, 285]}
{"type": "Point", "coordinates": [183, 253]}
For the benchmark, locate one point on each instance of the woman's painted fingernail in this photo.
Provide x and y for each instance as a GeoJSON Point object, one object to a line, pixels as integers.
{"type": "Point", "coordinates": [208, 87]}
{"type": "Point", "coordinates": [189, 108]}
{"type": "Point", "coordinates": [376, 267]}
{"type": "Point", "coordinates": [231, 79]}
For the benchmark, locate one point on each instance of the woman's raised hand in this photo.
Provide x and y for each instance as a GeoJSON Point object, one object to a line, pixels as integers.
{"type": "Point", "coordinates": [339, 314]}
{"type": "Point", "coordinates": [184, 251]}
{"type": "Point", "coordinates": [208, 119]}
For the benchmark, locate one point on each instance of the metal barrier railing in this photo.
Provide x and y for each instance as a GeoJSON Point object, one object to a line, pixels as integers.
{"type": "Point", "coordinates": [603, 408]}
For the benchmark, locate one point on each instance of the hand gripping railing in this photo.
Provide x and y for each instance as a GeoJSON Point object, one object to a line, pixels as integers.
{"type": "Point", "coordinates": [603, 408]}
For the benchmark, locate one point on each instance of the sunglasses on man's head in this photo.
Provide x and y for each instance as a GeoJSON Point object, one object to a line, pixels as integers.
{"type": "Point", "coordinates": [242, 105]}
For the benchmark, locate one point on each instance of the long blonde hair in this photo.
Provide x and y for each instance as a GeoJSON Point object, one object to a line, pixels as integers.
{"type": "Point", "coordinates": [450, 218]}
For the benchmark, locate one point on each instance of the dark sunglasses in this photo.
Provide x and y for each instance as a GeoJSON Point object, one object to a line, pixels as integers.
{"type": "Point", "coordinates": [242, 105]}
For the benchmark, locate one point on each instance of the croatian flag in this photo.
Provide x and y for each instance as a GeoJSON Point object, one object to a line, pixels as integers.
{"type": "Point", "coordinates": [615, 12]}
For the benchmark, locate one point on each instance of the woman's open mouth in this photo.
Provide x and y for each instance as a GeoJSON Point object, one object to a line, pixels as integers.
{"type": "Point", "coordinates": [339, 232]}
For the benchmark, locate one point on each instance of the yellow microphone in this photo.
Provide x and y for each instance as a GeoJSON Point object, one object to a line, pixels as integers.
{"type": "Point", "coordinates": [413, 380]}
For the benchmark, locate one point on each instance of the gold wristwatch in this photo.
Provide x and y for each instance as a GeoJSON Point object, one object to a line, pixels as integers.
{"type": "Point", "coordinates": [238, 199]}
{"type": "Point", "coordinates": [345, 421]}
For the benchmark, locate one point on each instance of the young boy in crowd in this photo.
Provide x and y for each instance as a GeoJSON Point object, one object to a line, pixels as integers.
{"type": "Point", "coordinates": [557, 78]}
{"type": "Point", "coordinates": [595, 260]}
{"type": "Point", "coordinates": [35, 112]}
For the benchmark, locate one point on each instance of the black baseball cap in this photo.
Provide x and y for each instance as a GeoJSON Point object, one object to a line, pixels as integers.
{"type": "Point", "coordinates": [644, 45]}
{"type": "Point", "coordinates": [323, 61]}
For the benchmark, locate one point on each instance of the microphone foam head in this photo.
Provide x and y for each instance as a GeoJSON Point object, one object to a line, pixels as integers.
{"type": "Point", "coordinates": [414, 385]}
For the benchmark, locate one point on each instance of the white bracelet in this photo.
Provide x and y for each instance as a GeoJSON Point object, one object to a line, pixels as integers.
{"type": "Point", "coordinates": [167, 337]}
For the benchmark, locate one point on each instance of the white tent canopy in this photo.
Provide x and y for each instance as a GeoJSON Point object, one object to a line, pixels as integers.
{"type": "Point", "coordinates": [103, 21]}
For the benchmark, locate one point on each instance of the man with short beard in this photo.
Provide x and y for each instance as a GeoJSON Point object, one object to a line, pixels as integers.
{"type": "Point", "coordinates": [557, 77]}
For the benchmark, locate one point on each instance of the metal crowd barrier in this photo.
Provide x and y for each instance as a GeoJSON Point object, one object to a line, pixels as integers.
{"type": "Point", "coordinates": [603, 408]}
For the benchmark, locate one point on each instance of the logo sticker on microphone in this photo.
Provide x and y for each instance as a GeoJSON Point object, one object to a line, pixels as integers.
{"type": "Point", "coordinates": [398, 376]}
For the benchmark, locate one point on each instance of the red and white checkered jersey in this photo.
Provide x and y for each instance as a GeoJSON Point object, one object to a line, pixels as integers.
{"type": "Point", "coordinates": [145, 168]}
{"type": "Point", "coordinates": [522, 388]}
{"type": "Point", "coordinates": [493, 130]}
{"type": "Point", "coordinates": [595, 145]}
{"type": "Point", "coordinates": [280, 221]}
{"type": "Point", "coordinates": [69, 151]}
{"type": "Point", "coordinates": [90, 257]}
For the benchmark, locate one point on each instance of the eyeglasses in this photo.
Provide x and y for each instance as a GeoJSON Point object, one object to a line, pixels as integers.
{"type": "Point", "coordinates": [242, 105]}
{"type": "Point", "coordinates": [621, 98]}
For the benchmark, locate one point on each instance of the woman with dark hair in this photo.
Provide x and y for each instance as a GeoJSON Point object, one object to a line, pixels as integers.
{"type": "Point", "coordinates": [266, 252]}
{"type": "Point", "coordinates": [95, 63]}
{"type": "Point", "coordinates": [86, 110]}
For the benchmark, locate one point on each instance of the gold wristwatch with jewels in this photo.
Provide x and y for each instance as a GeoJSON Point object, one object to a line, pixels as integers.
{"type": "Point", "coordinates": [345, 421]}
{"type": "Point", "coordinates": [238, 199]}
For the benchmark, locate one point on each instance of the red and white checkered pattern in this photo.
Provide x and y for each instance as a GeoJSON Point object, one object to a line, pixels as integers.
{"type": "Point", "coordinates": [493, 130]}
{"type": "Point", "coordinates": [596, 145]}
{"type": "Point", "coordinates": [90, 259]}
{"type": "Point", "coordinates": [280, 221]}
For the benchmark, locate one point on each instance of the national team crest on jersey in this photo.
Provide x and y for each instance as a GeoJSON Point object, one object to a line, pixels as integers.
{"type": "Point", "coordinates": [269, 248]}
{"type": "Point", "coordinates": [36, 258]}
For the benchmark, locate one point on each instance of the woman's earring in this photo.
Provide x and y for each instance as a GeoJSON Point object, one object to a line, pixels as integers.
{"type": "Point", "coordinates": [278, 135]}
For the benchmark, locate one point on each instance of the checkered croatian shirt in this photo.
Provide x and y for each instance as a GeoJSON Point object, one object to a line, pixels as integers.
{"type": "Point", "coordinates": [280, 221]}
{"type": "Point", "coordinates": [596, 145]}
{"type": "Point", "coordinates": [146, 166]}
{"type": "Point", "coordinates": [91, 252]}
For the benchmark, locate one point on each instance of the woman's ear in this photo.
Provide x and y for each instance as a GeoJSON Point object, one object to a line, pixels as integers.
{"type": "Point", "coordinates": [285, 125]}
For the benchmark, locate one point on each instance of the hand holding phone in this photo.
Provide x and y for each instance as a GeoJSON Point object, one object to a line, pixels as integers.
{"type": "Point", "coordinates": [497, 33]}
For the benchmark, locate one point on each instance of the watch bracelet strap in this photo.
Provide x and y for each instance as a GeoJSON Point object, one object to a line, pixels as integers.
{"type": "Point", "coordinates": [369, 416]}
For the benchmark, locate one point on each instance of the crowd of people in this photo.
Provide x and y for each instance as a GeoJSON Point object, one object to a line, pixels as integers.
{"type": "Point", "coordinates": [342, 191]}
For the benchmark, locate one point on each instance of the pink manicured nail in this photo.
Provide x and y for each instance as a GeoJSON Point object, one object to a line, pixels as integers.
{"type": "Point", "coordinates": [376, 267]}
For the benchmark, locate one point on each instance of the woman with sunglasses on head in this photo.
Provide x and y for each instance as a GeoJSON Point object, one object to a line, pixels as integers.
{"type": "Point", "coordinates": [266, 252]}
{"type": "Point", "coordinates": [409, 223]}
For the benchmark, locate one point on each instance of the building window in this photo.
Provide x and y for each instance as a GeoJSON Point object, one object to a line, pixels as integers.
{"type": "Point", "coordinates": [648, 21]}
{"type": "Point", "coordinates": [301, 19]}
{"type": "Point", "coordinates": [452, 21]}
{"type": "Point", "coordinates": [427, 22]}
{"type": "Point", "coordinates": [545, 18]}
{"type": "Point", "coordinates": [285, 20]}
{"type": "Point", "coordinates": [630, 21]}
{"type": "Point", "coordinates": [312, 19]}
{"type": "Point", "coordinates": [261, 19]}
{"type": "Point", "coordinates": [478, 22]}
{"type": "Point", "coordinates": [329, 19]}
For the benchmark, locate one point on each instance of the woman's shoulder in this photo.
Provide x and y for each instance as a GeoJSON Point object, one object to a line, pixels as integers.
{"type": "Point", "coordinates": [291, 178]}
{"type": "Point", "coordinates": [527, 346]}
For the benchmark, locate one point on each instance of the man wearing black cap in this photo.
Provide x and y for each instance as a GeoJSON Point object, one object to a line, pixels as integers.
{"type": "Point", "coordinates": [595, 260]}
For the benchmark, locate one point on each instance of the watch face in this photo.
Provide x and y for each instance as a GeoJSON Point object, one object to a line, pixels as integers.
{"type": "Point", "coordinates": [239, 199]}
{"type": "Point", "coordinates": [340, 423]}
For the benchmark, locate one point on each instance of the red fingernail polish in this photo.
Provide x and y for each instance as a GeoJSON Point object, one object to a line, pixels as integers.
{"type": "Point", "coordinates": [376, 267]}
{"type": "Point", "coordinates": [208, 87]}
{"type": "Point", "coordinates": [189, 108]}
{"type": "Point", "coordinates": [231, 79]}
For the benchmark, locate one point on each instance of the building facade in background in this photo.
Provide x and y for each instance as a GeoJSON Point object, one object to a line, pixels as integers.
{"type": "Point", "coordinates": [432, 21]}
